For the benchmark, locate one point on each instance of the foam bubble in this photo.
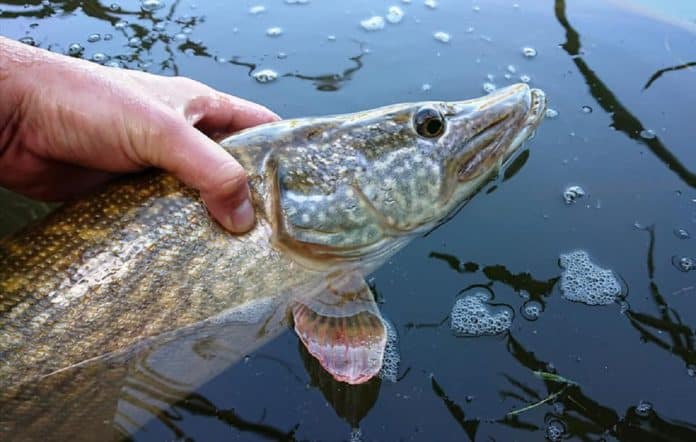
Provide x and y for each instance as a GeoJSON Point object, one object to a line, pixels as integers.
{"type": "Point", "coordinates": [489, 87]}
{"type": "Point", "coordinates": [684, 263]}
{"type": "Point", "coordinates": [529, 52]}
{"type": "Point", "coordinates": [644, 408]}
{"type": "Point", "coordinates": [395, 14]}
{"type": "Point", "coordinates": [532, 310]}
{"type": "Point", "coordinates": [472, 315]}
{"type": "Point", "coordinates": [572, 193]}
{"type": "Point", "coordinates": [392, 357]}
{"type": "Point", "coordinates": [555, 429]}
{"type": "Point", "coordinates": [265, 75]}
{"type": "Point", "coordinates": [375, 23]}
{"type": "Point", "coordinates": [442, 36]}
{"type": "Point", "coordinates": [584, 281]}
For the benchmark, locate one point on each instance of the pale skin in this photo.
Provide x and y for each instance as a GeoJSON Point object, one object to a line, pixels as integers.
{"type": "Point", "coordinates": [69, 125]}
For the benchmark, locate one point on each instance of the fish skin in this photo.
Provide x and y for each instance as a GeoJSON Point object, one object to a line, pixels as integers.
{"type": "Point", "coordinates": [142, 258]}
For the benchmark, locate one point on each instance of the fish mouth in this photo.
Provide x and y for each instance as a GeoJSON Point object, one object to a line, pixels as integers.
{"type": "Point", "coordinates": [515, 112]}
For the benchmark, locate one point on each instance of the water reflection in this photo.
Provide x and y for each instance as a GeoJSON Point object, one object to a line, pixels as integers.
{"type": "Point", "coordinates": [584, 417]}
{"type": "Point", "coordinates": [622, 119]}
{"type": "Point", "coordinates": [661, 72]}
{"type": "Point", "coordinates": [350, 402]}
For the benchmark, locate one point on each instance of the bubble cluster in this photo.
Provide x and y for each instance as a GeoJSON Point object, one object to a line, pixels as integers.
{"type": "Point", "coordinates": [551, 113]}
{"type": "Point", "coordinates": [684, 263]}
{"type": "Point", "coordinates": [392, 358]}
{"type": "Point", "coordinates": [583, 281]}
{"type": "Point", "coordinates": [572, 193]}
{"type": "Point", "coordinates": [442, 36]}
{"type": "Point", "coordinates": [555, 429]}
{"type": "Point", "coordinates": [644, 408]}
{"type": "Point", "coordinates": [531, 310]}
{"type": "Point", "coordinates": [265, 75]}
{"type": "Point", "coordinates": [395, 14]}
{"type": "Point", "coordinates": [472, 315]}
{"type": "Point", "coordinates": [371, 24]}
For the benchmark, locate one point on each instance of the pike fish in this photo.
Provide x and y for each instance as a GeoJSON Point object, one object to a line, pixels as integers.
{"type": "Point", "coordinates": [141, 263]}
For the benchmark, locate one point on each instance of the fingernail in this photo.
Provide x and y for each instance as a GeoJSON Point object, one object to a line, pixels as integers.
{"type": "Point", "coordinates": [242, 217]}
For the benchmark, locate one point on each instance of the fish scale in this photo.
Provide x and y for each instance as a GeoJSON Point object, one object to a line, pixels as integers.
{"type": "Point", "coordinates": [94, 290]}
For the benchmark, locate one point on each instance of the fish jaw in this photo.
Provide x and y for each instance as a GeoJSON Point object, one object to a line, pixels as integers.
{"type": "Point", "coordinates": [350, 190]}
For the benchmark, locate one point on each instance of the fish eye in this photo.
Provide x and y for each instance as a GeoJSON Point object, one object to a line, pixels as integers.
{"type": "Point", "coordinates": [429, 122]}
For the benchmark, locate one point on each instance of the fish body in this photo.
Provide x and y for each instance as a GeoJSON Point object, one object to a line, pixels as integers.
{"type": "Point", "coordinates": [141, 261]}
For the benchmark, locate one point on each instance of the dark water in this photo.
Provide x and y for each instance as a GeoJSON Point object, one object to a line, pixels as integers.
{"type": "Point", "coordinates": [611, 74]}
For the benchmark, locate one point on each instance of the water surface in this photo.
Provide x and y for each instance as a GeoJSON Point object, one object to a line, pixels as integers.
{"type": "Point", "coordinates": [623, 83]}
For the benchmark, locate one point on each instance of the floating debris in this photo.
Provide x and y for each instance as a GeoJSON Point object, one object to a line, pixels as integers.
{"type": "Point", "coordinates": [275, 31]}
{"type": "Point", "coordinates": [151, 5]}
{"type": "Point", "coordinates": [587, 109]}
{"type": "Point", "coordinates": [375, 23]}
{"type": "Point", "coordinates": [648, 134]}
{"type": "Point", "coordinates": [265, 75]}
{"type": "Point", "coordinates": [441, 36]}
{"type": "Point", "coordinates": [489, 87]}
{"type": "Point", "coordinates": [551, 113]}
{"type": "Point", "coordinates": [682, 233]}
{"type": "Point", "coordinates": [684, 263]}
{"type": "Point", "coordinates": [432, 4]}
{"type": "Point", "coordinates": [392, 358]}
{"type": "Point", "coordinates": [529, 52]}
{"type": "Point", "coordinates": [256, 10]}
{"type": "Point", "coordinates": [395, 14]}
{"type": "Point", "coordinates": [472, 315]}
{"type": "Point", "coordinates": [572, 193]}
{"type": "Point", "coordinates": [584, 281]}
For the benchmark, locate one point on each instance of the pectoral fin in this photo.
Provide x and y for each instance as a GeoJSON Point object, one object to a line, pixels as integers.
{"type": "Point", "coordinates": [341, 326]}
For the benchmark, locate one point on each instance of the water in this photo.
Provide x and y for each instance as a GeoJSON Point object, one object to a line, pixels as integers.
{"type": "Point", "coordinates": [634, 151]}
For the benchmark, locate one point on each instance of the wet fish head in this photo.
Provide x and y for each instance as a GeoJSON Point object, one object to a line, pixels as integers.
{"type": "Point", "coordinates": [354, 188]}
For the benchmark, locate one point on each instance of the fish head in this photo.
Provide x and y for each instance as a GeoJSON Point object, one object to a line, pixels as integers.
{"type": "Point", "coordinates": [355, 187]}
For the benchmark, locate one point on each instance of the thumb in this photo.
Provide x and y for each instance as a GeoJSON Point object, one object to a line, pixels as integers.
{"type": "Point", "coordinates": [203, 164]}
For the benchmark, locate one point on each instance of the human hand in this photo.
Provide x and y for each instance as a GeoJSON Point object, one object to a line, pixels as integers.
{"type": "Point", "coordinates": [67, 125]}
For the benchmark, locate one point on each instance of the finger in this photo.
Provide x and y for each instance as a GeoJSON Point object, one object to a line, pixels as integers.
{"type": "Point", "coordinates": [203, 164]}
{"type": "Point", "coordinates": [48, 180]}
{"type": "Point", "coordinates": [220, 114]}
